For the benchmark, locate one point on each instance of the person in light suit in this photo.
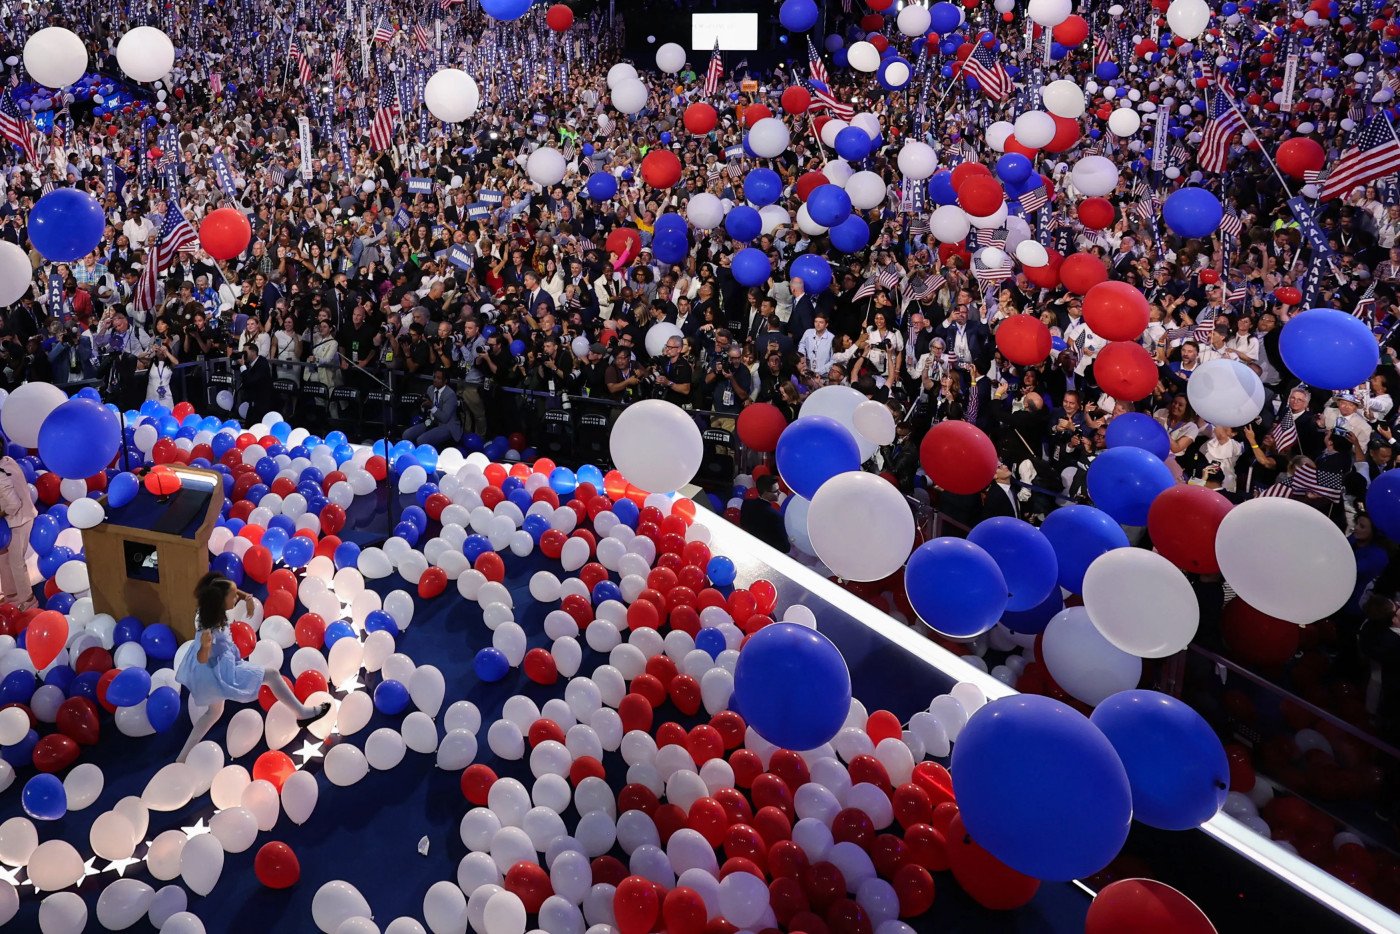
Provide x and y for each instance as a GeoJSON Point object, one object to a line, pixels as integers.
{"type": "Point", "coordinates": [441, 425]}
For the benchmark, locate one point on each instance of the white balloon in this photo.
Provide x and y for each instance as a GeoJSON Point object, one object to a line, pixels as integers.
{"type": "Point", "coordinates": [451, 95]}
{"type": "Point", "coordinates": [235, 828]}
{"type": "Point", "coordinates": [63, 913]}
{"type": "Point", "coordinates": [15, 273]}
{"type": "Point", "coordinates": [183, 922]}
{"type": "Point", "coordinates": [630, 96]}
{"type": "Point", "coordinates": [917, 160]}
{"type": "Point", "coordinates": [546, 166]}
{"type": "Point", "coordinates": [1031, 253]}
{"type": "Point", "coordinates": [862, 56]}
{"type": "Point", "coordinates": [619, 73]}
{"type": "Point", "coordinates": [1124, 121]}
{"type": "Point", "coordinates": [1188, 18]}
{"type": "Point", "coordinates": [913, 20]}
{"type": "Point", "coordinates": [1301, 575]}
{"type": "Point", "coordinates": [201, 864]}
{"type": "Point", "coordinates": [1083, 662]}
{"type": "Point", "coordinates": [949, 223]}
{"type": "Point", "coordinates": [670, 58]}
{"type": "Point", "coordinates": [1035, 128]}
{"type": "Point", "coordinates": [769, 137]}
{"type": "Point", "coordinates": [146, 54]}
{"type": "Point", "coordinates": [299, 795]}
{"type": "Point", "coordinates": [1229, 393]}
{"type": "Point", "coordinates": [1063, 98]}
{"type": "Point", "coordinates": [869, 550]}
{"type": "Point", "coordinates": [122, 903]}
{"type": "Point", "coordinates": [839, 403]}
{"type": "Point", "coordinates": [1141, 602]}
{"type": "Point", "coordinates": [865, 189]}
{"type": "Point", "coordinates": [334, 903]}
{"type": "Point", "coordinates": [1094, 176]}
{"type": "Point", "coordinates": [656, 445]}
{"type": "Point", "coordinates": [29, 404]}
{"type": "Point", "coordinates": [345, 764]}
{"type": "Point", "coordinates": [55, 57]}
{"type": "Point", "coordinates": [1049, 13]}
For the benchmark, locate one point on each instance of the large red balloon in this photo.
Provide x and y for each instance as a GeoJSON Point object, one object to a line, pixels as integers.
{"type": "Point", "coordinates": [980, 196]}
{"type": "Point", "coordinates": [1067, 132]}
{"type": "Point", "coordinates": [990, 882]}
{"type": "Point", "coordinates": [276, 865]}
{"type": "Point", "coordinates": [432, 583]}
{"type": "Point", "coordinates": [1300, 155]}
{"type": "Point", "coordinates": [967, 170]}
{"type": "Point", "coordinates": [559, 17]}
{"type": "Point", "coordinates": [661, 168]}
{"type": "Point", "coordinates": [1183, 521]}
{"type": "Point", "coordinates": [1116, 310]}
{"type": "Point", "coordinates": [257, 563]}
{"type": "Point", "coordinates": [224, 233]}
{"type": "Point", "coordinates": [754, 113]}
{"type": "Point", "coordinates": [1096, 213]}
{"type": "Point", "coordinates": [1080, 272]}
{"type": "Point", "coordinates": [796, 100]}
{"type": "Point", "coordinates": [45, 637]}
{"type": "Point", "coordinates": [809, 182]}
{"type": "Point", "coordinates": [1071, 31]}
{"type": "Point", "coordinates": [1256, 638]}
{"type": "Point", "coordinates": [959, 457]}
{"type": "Point", "coordinates": [1023, 339]}
{"type": "Point", "coordinates": [622, 241]}
{"type": "Point", "coordinates": [1047, 276]}
{"type": "Point", "coordinates": [1126, 371]}
{"type": "Point", "coordinates": [1144, 906]}
{"type": "Point", "coordinates": [635, 905]}
{"type": "Point", "coordinates": [700, 118]}
{"type": "Point", "coordinates": [760, 425]}
{"type": "Point", "coordinates": [273, 766]}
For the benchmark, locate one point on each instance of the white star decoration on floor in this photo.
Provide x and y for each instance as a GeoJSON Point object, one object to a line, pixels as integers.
{"type": "Point", "coordinates": [10, 875]}
{"type": "Point", "coordinates": [308, 751]}
{"type": "Point", "coordinates": [198, 828]}
{"type": "Point", "coordinates": [119, 865]}
{"type": "Point", "coordinates": [350, 684]}
{"type": "Point", "coordinates": [88, 868]}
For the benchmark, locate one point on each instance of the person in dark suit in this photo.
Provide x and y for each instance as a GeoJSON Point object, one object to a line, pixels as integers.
{"type": "Point", "coordinates": [980, 388]}
{"type": "Point", "coordinates": [966, 340]}
{"type": "Point", "coordinates": [758, 517]}
{"type": "Point", "coordinates": [255, 387]}
{"type": "Point", "coordinates": [537, 301]}
{"type": "Point", "coordinates": [804, 308]}
{"type": "Point", "coordinates": [999, 498]}
{"type": "Point", "coordinates": [440, 424]}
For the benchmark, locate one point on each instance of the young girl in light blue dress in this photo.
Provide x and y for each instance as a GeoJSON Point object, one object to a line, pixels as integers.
{"type": "Point", "coordinates": [214, 672]}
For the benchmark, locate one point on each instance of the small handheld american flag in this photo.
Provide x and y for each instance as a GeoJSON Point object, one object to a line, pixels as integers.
{"type": "Point", "coordinates": [713, 73]}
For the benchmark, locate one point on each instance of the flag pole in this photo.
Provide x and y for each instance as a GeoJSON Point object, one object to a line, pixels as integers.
{"type": "Point", "coordinates": [1230, 99]}
{"type": "Point", "coordinates": [287, 59]}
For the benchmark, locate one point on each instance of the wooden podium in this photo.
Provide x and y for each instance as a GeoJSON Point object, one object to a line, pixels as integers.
{"type": "Point", "coordinates": [145, 560]}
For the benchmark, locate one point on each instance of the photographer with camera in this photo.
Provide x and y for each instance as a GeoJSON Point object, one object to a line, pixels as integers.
{"type": "Point", "coordinates": [121, 344]}
{"type": "Point", "coordinates": [71, 355]}
{"type": "Point", "coordinates": [440, 424]}
{"type": "Point", "coordinates": [730, 384]}
{"type": "Point", "coordinates": [159, 363]}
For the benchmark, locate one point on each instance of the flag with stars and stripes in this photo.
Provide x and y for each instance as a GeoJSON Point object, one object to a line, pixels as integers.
{"type": "Point", "coordinates": [1230, 224]}
{"type": "Point", "coordinates": [989, 275]}
{"type": "Point", "coordinates": [16, 129]}
{"type": "Point", "coordinates": [175, 234]}
{"type": "Point", "coordinates": [867, 289]}
{"type": "Point", "coordinates": [1205, 325]}
{"type": "Point", "coordinates": [1308, 479]}
{"type": "Point", "coordinates": [992, 77]}
{"type": "Point", "coordinates": [1225, 121]}
{"type": "Point", "coordinates": [888, 277]}
{"type": "Point", "coordinates": [714, 72]}
{"type": "Point", "coordinates": [1366, 306]}
{"type": "Point", "coordinates": [1284, 432]}
{"type": "Point", "coordinates": [997, 238]}
{"type": "Point", "coordinates": [1103, 52]}
{"type": "Point", "coordinates": [421, 37]}
{"type": "Point", "coordinates": [825, 100]}
{"type": "Point", "coordinates": [1375, 154]}
{"type": "Point", "coordinates": [1035, 199]}
{"type": "Point", "coordinates": [386, 115]}
{"type": "Point", "coordinates": [383, 31]}
{"type": "Point", "coordinates": [815, 69]}
{"type": "Point", "coordinates": [295, 53]}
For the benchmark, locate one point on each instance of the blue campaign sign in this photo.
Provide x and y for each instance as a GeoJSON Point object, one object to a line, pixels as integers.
{"type": "Point", "coordinates": [1308, 226]}
{"type": "Point", "coordinates": [420, 186]}
{"type": "Point", "coordinates": [460, 258]}
{"type": "Point", "coordinates": [491, 197]}
{"type": "Point", "coordinates": [478, 210]}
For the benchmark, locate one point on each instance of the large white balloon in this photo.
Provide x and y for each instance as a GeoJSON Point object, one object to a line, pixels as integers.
{"type": "Point", "coordinates": [769, 138]}
{"type": "Point", "coordinates": [630, 96]}
{"type": "Point", "coordinates": [546, 166]}
{"type": "Point", "coordinates": [1228, 393]}
{"type": "Point", "coordinates": [1124, 121]}
{"type": "Point", "coordinates": [146, 54]}
{"type": "Point", "coordinates": [1063, 98]}
{"type": "Point", "coordinates": [1035, 128]}
{"type": "Point", "coordinates": [670, 58]}
{"type": "Point", "coordinates": [865, 189]}
{"type": "Point", "coordinates": [656, 445]}
{"type": "Point", "coordinates": [16, 275]}
{"type": "Point", "coordinates": [1094, 176]}
{"type": "Point", "coordinates": [840, 403]}
{"type": "Point", "coordinates": [1083, 662]}
{"type": "Point", "coordinates": [1285, 559]}
{"type": "Point", "coordinates": [25, 410]}
{"type": "Point", "coordinates": [659, 334]}
{"type": "Point", "coordinates": [862, 56]}
{"type": "Point", "coordinates": [1049, 13]}
{"type": "Point", "coordinates": [451, 95]}
{"type": "Point", "coordinates": [704, 211]}
{"type": "Point", "coordinates": [997, 134]}
{"type": "Point", "coordinates": [917, 160]}
{"type": "Point", "coordinates": [55, 58]}
{"type": "Point", "coordinates": [1141, 602]}
{"type": "Point", "coordinates": [913, 20]}
{"type": "Point", "coordinates": [872, 548]}
{"type": "Point", "coordinates": [619, 73]}
{"type": "Point", "coordinates": [949, 223]}
{"type": "Point", "coordinates": [1188, 18]}
{"type": "Point", "coordinates": [336, 902]}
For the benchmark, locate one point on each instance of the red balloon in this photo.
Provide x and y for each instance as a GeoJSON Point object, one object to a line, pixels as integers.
{"type": "Point", "coordinates": [1288, 295]}
{"type": "Point", "coordinates": [279, 603]}
{"type": "Point", "coordinates": [1183, 521]}
{"type": "Point", "coordinates": [540, 666]}
{"type": "Point", "coordinates": [872, 22]}
{"type": "Point", "coordinates": [1080, 272]}
{"type": "Point", "coordinates": [1067, 132]}
{"type": "Point", "coordinates": [310, 631]}
{"type": "Point", "coordinates": [990, 882]}
{"type": "Point", "coordinates": [661, 168]}
{"type": "Point", "coordinates": [759, 426]}
{"type": "Point", "coordinates": [224, 233]}
{"type": "Point", "coordinates": [1256, 638]}
{"type": "Point", "coordinates": [1022, 339]}
{"type": "Point", "coordinates": [914, 886]}
{"type": "Point", "coordinates": [754, 113]}
{"type": "Point", "coordinates": [1096, 213]}
{"type": "Point", "coordinates": [276, 865]}
{"type": "Point", "coordinates": [1115, 310]}
{"type": "Point", "coordinates": [273, 766]}
{"type": "Point", "coordinates": [621, 240]}
{"type": "Point", "coordinates": [980, 196]}
{"type": "Point", "coordinates": [959, 457]}
{"type": "Point", "coordinates": [559, 17]}
{"type": "Point", "coordinates": [700, 118]}
{"type": "Point", "coordinates": [377, 467]}
{"type": "Point", "coordinates": [48, 484]}
{"type": "Point", "coordinates": [45, 637]}
{"type": "Point", "coordinates": [796, 100]}
{"type": "Point", "coordinates": [967, 170]}
{"type": "Point", "coordinates": [1071, 31]}
{"type": "Point", "coordinates": [635, 905]}
{"type": "Point", "coordinates": [1125, 370]}
{"type": "Point", "coordinates": [1144, 906]}
{"type": "Point", "coordinates": [257, 563]}
{"type": "Point", "coordinates": [432, 583]}
{"type": "Point", "coordinates": [809, 182]}
{"type": "Point", "coordinates": [77, 719]}
{"type": "Point", "coordinates": [55, 752]}
{"type": "Point", "coordinates": [530, 884]}
{"type": "Point", "coordinates": [684, 911]}
{"type": "Point", "coordinates": [1299, 155]}
{"type": "Point", "coordinates": [332, 518]}
{"type": "Point", "coordinates": [243, 637]}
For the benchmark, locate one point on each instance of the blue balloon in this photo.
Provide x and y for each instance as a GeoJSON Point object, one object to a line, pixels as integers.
{"type": "Point", "coordinates": [66, 225]}
{"type": "Point", "coordinates": [407, 531]}
{"type": "Point", "coordinates": [955, 586]}
{"type": "Point", "coordinates": [1040, 788]}
{"type": "Point", "coordinates": [474, 546]}
{"type": "Point", "coordinates": [1027, 562]}
{"type": "Point", "coordinates": [427, 459]}
{"type": "Point", "coordinates": [895, 72]}
{"type": "Point", "coordinates": [670, 223]}
{"type": "Point", "coordinates": [1192, 212]}
{"type": "Point", "coordinates": [670, 248]}
{"type": "Point", "coordinates": [944, 18]}
{"type": "Point", "coordinates": [762, 187]}
{"type": "Point", "coordinates": [852, 144]}
{"type": "Point", "coordinates": [62, 602]}
{"type": "Point", "coordinates": [940, 187]}
{"type": "Point", "coordinates": [336, 631]}
{"type": "Point", "coordinates": [122, 489]}
{"type": "Point", "coordinates": [743, 223]}
{"type": "Point", "coordinates": [17, 687]}
{"type": "Point", "coordinates": [628, 512]}
{"type": "Point", "coordinates": [828, 205]}
{"type": "Point", "coordinates": [1014, 168]}
{"type": "Point", "coordinates": [1106, 71]}
{"type": "Point", "coordinates": [299, 551]}
{"type": "Point", "coordinates": [710, 640]}
{"type": "Point", "coordinates": [229, 565]}
{"type": "Point", "coordinates": [1137, 430]}
{"type": "Point", "coordinates": [751, 267]}
{"type": "Point", "coordinates": [793, 686]}
{"type": "Point", "coordinates": [43, 534]}
{"type": "Point", "coordinates": [536, 525]}
{"type": "Point", "coordinates": [850, 236]}
{"type": "Point", "coordinates": [814, 271]}
{"type": "Point", "coordinates": [1033, 621]}
{"type": "Point", "coordinates": [604, 591]}
{"type": "Point", "coordinates": [1176, 766]}
{"type": "Point", "coordinates": [814, 449]}
{"type": "Point", "coordinates": [506, 10]}
{"type": "Point", "coordinates": [417, 516]}
{"type": "Point", "coordinates": [490, 664]}
{"type": "Point", "coordinates": [1383, 502]}
{"type": "Point", "coordinates": [1123, 482]}
{"type": "Point", "coordinates": [1329, 349]}
{"type": "Point", "coordinates": [79, 438]}
{"type": "Point", "coordinates": [163, 708]}
{"type": "Point", "coordinates": [721, 571]}
{"type": "Point", "coordinates": [1079, 534]}
{"type": "Point", "coordinates": [390, 697]}
{"type": "Point", "coordinates": [347, 555]}
{"type": "Point", "coordinates": [274, 540]}
{"type": "Point", "coordinates": [798, 15]}
{"type": "Point", "coordinates": [50, 563]}
{"type": "Point", "coordinates": [21, 754]}
{"type": "Point", "coordinates": [129, 688]}
{"type": "Point", "coordinates": [43, 796]}
{"type": "Point", "coordinates": [562, 481]}
{"type": "Point", "coordinates": [159, 642]}
{"type": "Point", "coordinates": [601, 186]}
{"type": "Point", "coordinates": [128, 629]}
{"type": "Point", "coordinates": [380, 621]}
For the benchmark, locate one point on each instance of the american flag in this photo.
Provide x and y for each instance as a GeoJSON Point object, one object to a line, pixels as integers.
{"type": "Point", "coordinates": [175, 234]}
{"type": "Point", "coordinates": [1230, 224]}
{"type": "Point", "coordinates": [1284, 432]}
{"type": "Point", "coordinates": [712, 74]}
{"type": "Point", "coordinates": [1225, 121]}
{"type": "Point", "coordinates": [1366, 307]}
{"type": "Point", "coordinates": [1308, 479]}
{"type": "Point", "coordinates": [888, 277]}
{"type": "Point", "coordinates": [997, 238]}
{"type": "Point", "coordinates": [989, 275]}
{"type": "Point", "coordinates": [386, 115]}
{"type": "Point", "coordinates": [1236, 292]}
{"type": "Point", "coordinates": [867, 290]}
{"type": "Point", "coordinates": [295, 53]}
{"type": "Point", "coordinates": [1376, 154]}
{"type": "Point", "coordinates": [16, 129]}
{"type": "Point", "coordinates": [815, 68]}
{"type": "Point", "coordinates": [825, 100]}
{"type": "Point", "coordinates": [420, 36]}
{"type": "Point", "coordinates": [448, 4]}
{"type": "Point", "coordinates": [1205, 324]}
{"type": "Point", "coordinates": [337, 61]}
{"type": "Point", "coordinates": [1035, 199]}
{"type": "Point", "coordinates": [991, 74]}
{"type": "Point", "coordinates": [383, 32]}
{"type": "Point", "coordinates": [1103, 52]}
{"type": "Point", "coordinates": [1281, 488]}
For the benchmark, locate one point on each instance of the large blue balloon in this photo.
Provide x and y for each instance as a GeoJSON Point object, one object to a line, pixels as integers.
{"type": "Point", "coordinates": [792, 686]}
{"type": "Point", "coordinates": [159, 641]}
{"type": "Point", "coordinates": [122, 489]}
{"type": "Point", "coordinates": [1027, 562]}
{"type": "Point", "coordinates": [1137, 430]}
{"type": "Point", "coordinates": [743, 223]}
{"type": "Point", "coordinates": [1079, 534]}
{"type": "Point", "coordinates": [601, 186]}
{"type": "Point", "coordinates": [129, 688]}
{"type": "Point", "coordinates": [391, 697]}
{"type": "Point", "coordinates": [1383, 502]}
{"type": "Point", "coordinates": [1176, 765]}
{"type": "Point", "coordinates": [852, 144]}
{"type": "Point", "coordinates": [944, 18]}
{"type": "Point", "coordinates": [829, 205]}
{"type": "Point", "coordinates": [670, 247]}
{"type": "Point", "coordinates": [1123, 482]}
{"type": "Point", "coordinates": [1329, 349]}
{"type": "Point", "coordinates": [1192, 212]}
{"type": "Point", "coordinates": [43, 534]}
{"type": "Point", "coordinates": [1033, 621]}
{"type": "Point", "coordinates": [763, 187]}
{"type": "Point", "coordinates": [491, 664]}
{"type": "Point", "coordinates": [66, 225]}
{"type": "Point", "coordinates": [812, 450]}
{"type": "Point", "coordinates": [940, 187]}
{"type": "Point", "coordinates": [163, 708]}
{"type": "Point", "coordinates": [955, 587]}
{"type": "Point", "coordinates": [79, 439]}
{"type": "Point", "coordinates": [751, 267]}
{"type": "Point", "coordinates": [299, 551]}
{"type": "Point", "coordinates": [851, 235]}
{"type": "Point", "coordinates": [798, 15]}
{"type": "Point", "coordinates": [1013, 167]}
{"type": "Point", "coordinates": [814, 271]}
{"type": "Point", "coordinates": [506, 9]}
{"type": "Point", "coordinates": [1041, 789]}
{"type": "Point", "coordinates": [44, 798]}
{"type": "Point", "coordinates": [229, 565]}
